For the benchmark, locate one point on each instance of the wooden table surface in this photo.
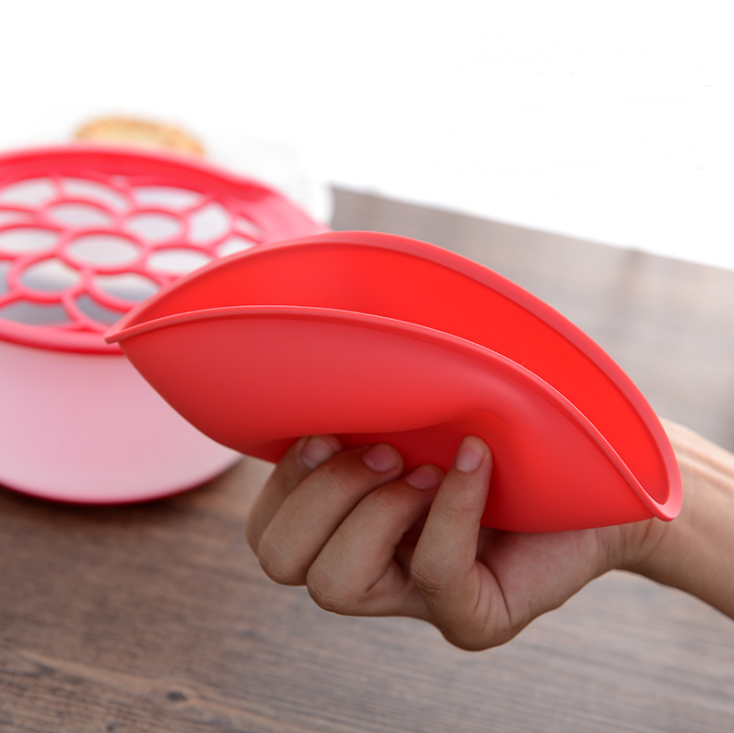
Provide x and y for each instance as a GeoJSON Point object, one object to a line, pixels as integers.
{"type": "Point", "coordinates": [157, 617]}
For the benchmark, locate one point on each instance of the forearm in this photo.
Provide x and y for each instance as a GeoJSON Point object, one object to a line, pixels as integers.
{"type": "Point", "coordinates": [695, 552]}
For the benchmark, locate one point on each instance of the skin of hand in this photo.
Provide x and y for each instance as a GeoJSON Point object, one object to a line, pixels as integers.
{"type": "Point", "coordinates": [366, 541]}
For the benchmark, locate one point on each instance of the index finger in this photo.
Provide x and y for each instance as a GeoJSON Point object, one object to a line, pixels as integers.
{"type": "Point", "coordinates": [299, 461]}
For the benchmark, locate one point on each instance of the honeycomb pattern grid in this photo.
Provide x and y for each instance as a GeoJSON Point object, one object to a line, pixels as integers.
{"type": "Point", "coordinates": [78, 251]}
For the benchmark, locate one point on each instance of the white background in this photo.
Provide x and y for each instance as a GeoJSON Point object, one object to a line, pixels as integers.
{"type": "Point", "coordinates": [610, 121]}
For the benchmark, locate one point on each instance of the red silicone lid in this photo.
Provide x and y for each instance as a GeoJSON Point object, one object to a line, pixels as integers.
{"type": "Point", "coordinates": [376, 337]}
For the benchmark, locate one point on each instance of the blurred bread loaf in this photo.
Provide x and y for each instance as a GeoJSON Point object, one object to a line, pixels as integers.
{"type": "Point", "coordinates": [138, 132]}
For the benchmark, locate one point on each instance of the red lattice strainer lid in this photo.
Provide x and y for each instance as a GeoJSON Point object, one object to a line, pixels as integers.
{"type": "Point", "coordinates": [87, 232]}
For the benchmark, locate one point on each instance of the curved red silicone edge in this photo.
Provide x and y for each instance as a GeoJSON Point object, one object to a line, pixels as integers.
{"type": "Point", "coordinates": [666, 510]}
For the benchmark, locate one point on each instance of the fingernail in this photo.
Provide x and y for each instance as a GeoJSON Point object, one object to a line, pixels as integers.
{"type": "Point", "coordinates": [424, 477]}
{"type": "Point", "coordinates": [318, 449]}
{"type": "Point", "coordinates": [470, 456]}
{"type": "Point", "coordinates": [381, 458]}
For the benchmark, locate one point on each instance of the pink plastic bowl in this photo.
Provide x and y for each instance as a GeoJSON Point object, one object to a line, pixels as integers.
{"type": "Point", "coordinates": [67, 417]}
{"type": "Point", "coordinates": [376, 337]}
{"type": "Point", "coordinates": [86, 232]}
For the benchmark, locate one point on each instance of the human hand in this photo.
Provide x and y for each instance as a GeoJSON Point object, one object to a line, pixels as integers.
{"type": "Point", "coordinates": [365, 541]}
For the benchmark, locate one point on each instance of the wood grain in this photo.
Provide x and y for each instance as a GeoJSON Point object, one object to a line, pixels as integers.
{"type": "Point", "coordinates": [157, 617]}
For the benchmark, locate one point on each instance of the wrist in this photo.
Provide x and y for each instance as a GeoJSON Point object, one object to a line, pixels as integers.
{"type": "Point", "coordinates": [695, 551]}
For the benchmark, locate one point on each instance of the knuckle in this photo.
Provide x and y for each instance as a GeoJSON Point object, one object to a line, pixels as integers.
{"type": "Point", "coordinates": [328, 593]}
{"type": "Point", "coordinates": [470, 640]}
{"type": "Point", "coordinates": [277, 564]}
{"type": "Point", "coordinates": [475, 637]}
{"type": "Point", "coordinates": [430, 579]}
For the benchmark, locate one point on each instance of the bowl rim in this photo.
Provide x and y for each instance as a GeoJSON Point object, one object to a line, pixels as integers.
{"type": "Point", "coordinates": [90, 160]}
